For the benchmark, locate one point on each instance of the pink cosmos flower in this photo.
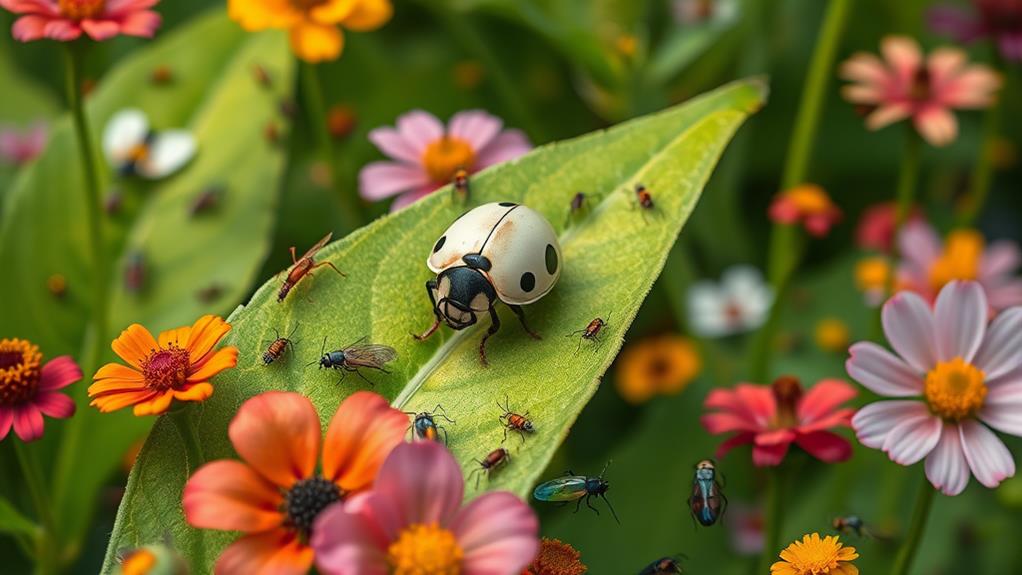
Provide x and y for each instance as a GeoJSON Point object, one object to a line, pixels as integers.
{"type": "Point", "coordinates": [957, 376]}
{"type": "Point", "coordinates": [999, 20]}
{"type": "Point", "coordinates": [426, 154]}
{"type": "Point", "coordinates": [875, 230]}
{"type": "Point", "coordinates": [903, 85]}
{"type": "Point", "coordinates": [772, 417]}
{"type": "Point", "coordinates": [66, 20]}
{"type": "Point", "coordinates": [19, 147]}
{"type": "Point", "coordinates": [29, 389]}
{"type": "Point", "coordinates": [413, 515]}
{"type": "Point", "coordinates": [807, 204]}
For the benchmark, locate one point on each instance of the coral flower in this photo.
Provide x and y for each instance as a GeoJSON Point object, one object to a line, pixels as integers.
{"type": "Point", "coordinates": [658, 365]}
{"type": "Point", "coordinates": [773, 417]}
{"type": "Point", "coordinates": [999, 20]}
{"type": "Point", "coordinates": [739, 303]}
{"type": "Point", "coordinates": [963, 374]}
{"type": "Point", "coordinates": [66, 20]}
{"type": "Point", "coordinates": [807, 204]}
{"type": "Point", "coordinates": [314, 25]}
{"type": "Point", "coordinates": [177, 366]}
{"type": "Point", "coordinates": [426, 154]}
{"type": "Point", "coordinates": [19, 147]}
{"type": "Point", "coordinates": [412, 522]}
{"type": "Point", "coordinates": [556, 557]}
{"type": "Point", "coordinates": [276, 492]}
{"type": "Point", "coordinates": [815, 556]}
{"type": "Point", "coordinates": [29, 389]}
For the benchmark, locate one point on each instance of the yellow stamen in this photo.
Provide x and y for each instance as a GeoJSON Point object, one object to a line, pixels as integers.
{"type": "Point", "coordinates": [815, 556]}
{"type": "Point", "coordinates": [81, 9]}
{"type": "Point", "coordinates": [19, 370]}
{"type": "Point", "coordinates": [960, 260]}
{"type": "Point", "coordinates": [955, 389]}
{"type": "Point", "coordinates": [445, 156]}
{"type": "Point", "coordinates": [165, 368]}
{"type": "Point", "coordinates": [425, 550]}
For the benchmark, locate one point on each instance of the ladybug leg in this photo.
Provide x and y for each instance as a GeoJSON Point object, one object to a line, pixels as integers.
{"type": "Point", "coordinates": [521, 318]}
{"type": "Point", "coordinates": [430, 287]}
{"type": "Point", "coordinates": [494, 326]}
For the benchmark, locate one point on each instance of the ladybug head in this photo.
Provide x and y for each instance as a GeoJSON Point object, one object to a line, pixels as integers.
{"type": "Point", "coordinates": [461, 294]}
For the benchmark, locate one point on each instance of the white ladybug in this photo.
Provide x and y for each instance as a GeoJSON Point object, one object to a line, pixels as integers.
{"type": "Point", "coordinates": [500, 251]}
{"type": "Point", "coordinates": [133, 148]}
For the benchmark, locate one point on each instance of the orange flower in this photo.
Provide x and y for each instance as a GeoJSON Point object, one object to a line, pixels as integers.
{"type": "Point", "coordinates": [663, 365]}
{"type": "Point", "coordinates": [807, 204]}
{"type": "Point", "coordinates": [556, 557]}
{"type": "Point", "coordinates": [177, 366]}
{"type": "Point", "coordinates": [276, 493]}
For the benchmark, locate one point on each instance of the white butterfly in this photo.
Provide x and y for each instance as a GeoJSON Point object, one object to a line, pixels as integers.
{"type": "Point", "coordinates": [132, 148]}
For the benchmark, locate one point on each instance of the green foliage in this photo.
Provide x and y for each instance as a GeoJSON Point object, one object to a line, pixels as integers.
{"type": "Point", "coordinates": [13, 522]}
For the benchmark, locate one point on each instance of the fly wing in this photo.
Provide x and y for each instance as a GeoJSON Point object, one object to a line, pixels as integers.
{"type": "Point", "coordinates": [319, 245]}
{"type": "Point", "coordinates": [567, 488]}
{"type": "Point", "coordinates": [369, 355]}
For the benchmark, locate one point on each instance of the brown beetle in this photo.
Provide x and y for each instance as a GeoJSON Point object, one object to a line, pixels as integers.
{"type": "Point", "coordinates": [515, 421]}
{"type": "Point", "coordinates": [494, 460]}
{"type": "Point", "coordinates": [278, 346]}
{"type": "Point", "coordinates": [590, 331]}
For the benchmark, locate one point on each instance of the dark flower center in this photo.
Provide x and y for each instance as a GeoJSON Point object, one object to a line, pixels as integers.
{"type": "Point", "coordinates": [919, 91]}
{"type": "Point", "coordinates": [787, 392]}
{"type": "Point", "coordinates": [306, 500]}
{"type": "Point", "coordinates": [19, 371]}
{"type": "Point", "coordinates": [165, 368]}
{"type": "Point", "coordinates": [81, 9]}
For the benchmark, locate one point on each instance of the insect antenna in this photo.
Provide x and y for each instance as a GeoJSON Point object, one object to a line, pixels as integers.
{"type": "Point", "coordinates": [443, 413]}
{"type": "Point", "coordinates": [605, 468]}
{"type": "Point", "coordinates": [322, 351]}
{"type": "Point", "coordinates": [611, 507]}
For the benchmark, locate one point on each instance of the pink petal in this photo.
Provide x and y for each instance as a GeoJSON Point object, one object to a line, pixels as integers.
{"type": "Point", "coordinates": [409, 198]}
{"type": "Point", "coordinates": [476, 127]}
{"type": "Point", "coordinates": [6, 420]}
{"type": "Point", "coordinates": [423, 483]}
{"type": "Point", "coordinates": [908, 325]}
{"type": "Point", "coordinates": [913, 438]}
{"type": "Point", "coordinates": [100, 29]}
{"type": "Point", "coordinates": [825, 446]}
{"type": "Point", "coordinates": [498, 533]}
{"type": "Point", "coordinates": [888, 114]}
{"type": "Point", "coordinates": [28, 422]}
{"type": "Point", "coordinates": [717, 423]}
{"type": "Point", "coordinates": [838, 418]}
{"type": "Point", "coordinates": [510, 144]}
{"type": "Point", "coordinates": [390, 142]}
{"type": "Point", "coordinates": [118, 7]}
{"type": "Point", "coordinates": [1002, 408]}
{"type": "Point", "coordinates": [29, 28]}
{"type": "Point", "coordinates": [936, 125]}
{"type": "Point", "coordinates": [823, 398]}
{"type": "Point", "coordinates": [141, 24]}
{"type": "Point", "coordinates": [63, 30]}
{"type": "Point", "coordinates": [1004, 295]}
{"type": "Point", "coordinates": [865, 68]}
{"type": "Point", "coordinates": [944, 63]}
{"type": "Point", "coordinates": [769, 455]}
{"type": "Point", "coordinates": [775, 437]}
{"type": "Point", "coordinates": [960, 319]}
{"type": "Point", "coordinates": [760, 402]}
{"type": "Point", "coordinates": [59, 373]}
{"type": "Point", "coordinates": [989, 459]}
{"type": "Point", "coordinates": [874, 422]}
{"type": "Point", "coordinates": [903, 54]}
{"type": "Point", "coordinates": [919, 244]}
{"type": "Point", "coordinates": [882, 372]}
{"type": "Point", "coordinates": [349, 543]}
{"type": "Point", "coordinates": [999, 353]}
{"type": "Point", "coordinates": [737, 440]}
{"type": "Point", "coordinates": [55, 404]}
{"type": "Point", "coordinates": [420, 129]}
{"type": "Point", "coordinates": [1000, 258]}
{"type": "Point", "coordinates": [43, 7]}
{"type": "Point", "coordinates": [380, 180]}
{"type": "Point", "coordinates": [971, 89]}
{"type": "Point", "coordinates": [946, 467]}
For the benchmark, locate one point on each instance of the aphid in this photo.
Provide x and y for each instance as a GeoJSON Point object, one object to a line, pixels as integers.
{"type": "Point", "coordinates": [495, 459]}
{"type": "Point", "coordinates": [206, 200]}
{"type": "Point", "coordinates": [573, 487]}
{"type": "Point", "coordinates": [851, 524]}
{"type": "Point", "coordinates": [358, 355]}
{"type": "Point", "coordinates": [644, 198]}
{"type": "Point", "coordinates": [590, 332]}
{"type": "Point", "coordinates": [135, 272]}
{"type": "Point", "coordinates": [496, 252]}
{"type": "Point", "coordinates": [262, 76]}
{"type": "Point", "coordinates": [461, 185]}
{"type": "Point", "coordinates": [707, 502]}
{"type": "Point", "coordinates": [663, 566]}
{"type": "Point", "coordinates": [425, 428]}
{"type": "Point", "coordinates": [161, 76]}
{"type": "Point", "coordinates": [210, 293]}
{"type": "Point", "coordinates": [515, 421]}
{"type": "Point", "coordinates": [57, 285]}
{"type": "Point", "coordinates": [303, 266]}
{"type": "Point", "coordinates": [278, 346]}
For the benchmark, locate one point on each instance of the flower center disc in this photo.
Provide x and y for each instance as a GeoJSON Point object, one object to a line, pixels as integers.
{"type": "Point", "coordinates": [165, 368]}
{"type": "Point", "coordinates": [425, 550]}
{"type": "Point", "coordinates": [307, 499]}
{"type": "Point", "coordinates": [81, 9]}
{"type": "Point", "coordinates": [19, 370]}
{"type": "Point", "coordinates": [960, 260]}
{"type": "Point", "coordinates": [445, 156]}
{"type": "Point", "coordinates": [815, 556]}
{"type": "Point", "coordinates": [955, 389]}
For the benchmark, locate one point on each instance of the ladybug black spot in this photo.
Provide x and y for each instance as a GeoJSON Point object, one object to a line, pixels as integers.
{"type": "Point", "coordinates": [439, 244]}
{"type": "Point", "coordinates": [528, 282]}
{"type": "Point", "coordinates": [507, 204]}
{"type": "Point", "coordinates": [551, 259]}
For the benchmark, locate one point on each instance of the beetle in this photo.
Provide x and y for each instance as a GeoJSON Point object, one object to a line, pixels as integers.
{"type": "Point", "coordinates": [663, 566]}
{"type": "Point", "coordinates": [424, 426]}
{"type": "Point", "coordinates": [849, 524]}
{"type": "Point", "coordinates": [460, 182]}
{"type": "Point", "coordinates": [352, 357]}
{"type": "Point", "coordinates": [496, 252]}
{"type": "Point", "coordinates": [591, 331]}
{"type": "Point", "coordinates": [576, 488]}
{"type": "Point", "coordinates": [278, 346]}
{"type": "Point", "coordinates": [303, 266]}
{"type": "Point", "coordinates": [210, 293]}
{"type": "Point", "coordinates": [494, 460]}
{"type": "Point", "coordinates": [514, 421]}
{"type": "Point", "coordinates": [707, 502]}
{"type": "Point", "coordinates": [643, 197]}
{"type": "Point", "coordinates": [206, 200]}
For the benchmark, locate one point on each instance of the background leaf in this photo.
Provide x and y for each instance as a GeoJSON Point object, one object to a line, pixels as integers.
{"type": "Point", "coordinates": [12, 521]}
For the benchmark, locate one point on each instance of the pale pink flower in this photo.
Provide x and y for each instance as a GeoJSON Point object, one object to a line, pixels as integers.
{"type": "Point", "coordinates": [955, 376]}
{"type": "Point", "coordinates": [426, 154]}
{"type": "Point", "coordinates": [999, 20]}
{"type": "Point", "coordinates": [66, 20]}
{"type": "Point", "coordinates": [904, 85]}
{"type": "Point", "coordinates": [415, 511]}
{"type": "Point", "coordinates": [20, 146]}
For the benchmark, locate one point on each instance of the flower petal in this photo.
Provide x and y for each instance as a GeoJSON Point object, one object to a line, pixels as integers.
{"type": "Point", "coordinates": [903, 54]}
{"type": "Point", "coordinates": [909, 327]}
{"type": "Point", "coordinates": [177, 337]}
{"type": "Point", "coordinates": [887, 114]}
{"type": "Point", "coordinates": [936, 125]}
{"type": "Point", "coordinates": [881, 371]}
{"type": "Point", "coordinates": [823, 398]}
{"type": "Point", "coordinates": [349, 543]}
{"type": "Point", "coordinates": [390, 142]}
{"type": "Point", "coordinates": [316, 42]}
{"type": "Point", "coordinates": [380, 180]}
{"type": "Point", "coordinates": [508, 145]}
{"type": "Point", "coordinates": [100, 30]}
{"type": "Point", "coordinates": [989, 459]}
{"type": "Point", "coordinates": [874, 422]}
{"type": "Point", "coordinates": [134, 344]}
{"type": "Point", "coordinates": [206, 332]}
{"type": "Point", "coordinates": [369, 15]}
{"type": "Point", "coordinates": [113, 400]}
{"type": "Point", "coordinates": [169, 151]}
{"type": "Point", "coordinates": [124, 131]}
{"type": "Point", "coordinates": [476, 127]}
{"type": "Point", "coordinates": [737, 440]}
{"type": "Point", "coordinates": [960, 318]}
{"type": "Point", "coordinates": [276, 552]}
{"type": "Point", "coordinates": [54, 404]}
{"type": "Point", "coordinates": [825, 446]}
{"type": "Point", "coordinates": [999, 353]}
{"type": "Point", "coordinates": [28, 422]}
{"type": "Point", "coordinates": [29, 28]}
{"type": "Point", "coordinates": [769, 455]}
{"type": "Point", "coordinates": [230, 496]}
{"type": "Point", "coordinates": [1002, 408]}
{"type": "Point", "coordinates": [946, 467]}
{"type": "Point", "coordinates": [141, 24]}
{"type": "Point", "coordinates": [278, 434]}
{"type": "Point", "coordinates": [158, 404]}
{"type": "Point", "coordinates": [59, 373]}
{"type": "Point", "coordinates": [498, 533]}
{"type": "Point", "coordinates": [409, 198]}
{"type": "Point", "coordinates": [361, 435]}
{"type": "Point", "coordinates": [195, 392]}
{"type": "Point", "coordinates": [913, 437]}
{"type": "Point", "coordinates": [6, 421]}
{"type": "Point", "coordinates": [223, 359]}
{"type": "Point", "coordinates": [1000, 258]}
{"type": "Point", "coordinates": [420, 129]}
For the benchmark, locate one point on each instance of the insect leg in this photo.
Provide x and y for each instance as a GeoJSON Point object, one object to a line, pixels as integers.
{"type": "Point", "coordinates": [494, 326]}
{"type": "Point", "coordinates": [294, 258]}
{"type": "Point", "coordinates": [590, 505]}
{"type": "Point", "coordinates": [430, 286]}
{"type": "Point", "coordinates": [579, 346]}
{"type": "Point", "coordinates": [578, 505]}
{"type": "Point", "coordinates": [521, 318]}
{"type": "Point", "coordinates": [359, 373]}
{"type": "Point", "coordinates": [442, 428]}
{"type": "Point", "coordinates": [443, 413]}
{"type": "Point", "coordinates": [505, 435]}
{"type": "Point", "coordinates": [611, 507]}
{"type": "Point", "coordinates": [331, 264]}
{"type": "Point", "coordinates": [520, 433]}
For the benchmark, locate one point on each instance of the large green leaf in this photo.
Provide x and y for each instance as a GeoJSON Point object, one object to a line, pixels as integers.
{"type": "Point", "coordinates": [213, 93]}
{"type": "Point", "coordinates": [611, 258]}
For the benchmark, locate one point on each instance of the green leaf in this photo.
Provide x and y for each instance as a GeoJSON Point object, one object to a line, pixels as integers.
{"type": "Point", "coordinates": [13, 522]}
{"type": "Point", "coordinates": [611, 258]}
{"type": "Point", "coordinates": [683, 45]}
{"type": "Point", "coordinates": [214, 94]}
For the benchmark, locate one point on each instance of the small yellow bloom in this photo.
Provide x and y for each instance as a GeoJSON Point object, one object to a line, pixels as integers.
{"type": "Point", "coordinates": [960, 260]}
{"type": "Point", "coordinates": [659, 365]}
{"type": "Point", "coordinates": [815, 556]}
{"type": "Point", "coordinates": [832, 335]}
{"type": "Point", "coordinates": [871, 273]}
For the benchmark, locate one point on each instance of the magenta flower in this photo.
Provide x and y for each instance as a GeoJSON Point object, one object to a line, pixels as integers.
{"type": "Point", "coordinates": [66, 20]}
{"type": "Point", "coordinates": [999, 20]}
{"type": "Point", "coordinates": [29, 389]}
{"type": "Point", "coordinates": [875, 230]}
{"type": "Point", "coordinates": [413, 522]}
{"type": "Point", "coordinates": [19, 147]}
{"type": "Point", "coordinates": [961, 376]}
{"type": "Point", "coordinates": [426, 154]}
{"type": "Point", "coordinates": [903, 85]}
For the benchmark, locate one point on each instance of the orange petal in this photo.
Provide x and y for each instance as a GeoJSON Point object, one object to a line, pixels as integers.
{"type": "Point", "coordinates": [316, 42]}
{"type": "Point", "coordinates": [332, 11]}
{"type": "Point", "coordinates": [369, 15]}
{"type": "Point", "coordinates": [118, 371]}
{"type": "Point", "coordinates": [229, 495]}
{"type": "Point", "coordinates": [195, 392]}
{"type": "Point", "coordinates": [361, 435]}
{"type": "Point", "coordinates": [155, 406]}
{"type": "Point", "coordinates": [276, 552]}
{"type": "Point", "coordinates": [134, 344]}
{"type": "Point", "coordinates": [205, 334]}
{"type": "Point", "coordinates": [277, 433]}
{"type": "Point", "coordinates": [112, 386]}
{"type": "Point", "coordinates": [114, 401]}
{"type": "Point", "coordinates": [178, 337]}
{"type": "Point", "coordinates": [222, 359]}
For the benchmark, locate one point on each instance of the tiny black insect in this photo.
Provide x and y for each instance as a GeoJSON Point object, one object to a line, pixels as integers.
{"type": "Point", "coordinates": [355, 356]}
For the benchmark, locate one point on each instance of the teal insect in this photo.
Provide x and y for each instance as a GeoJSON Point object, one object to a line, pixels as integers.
{"type": "Point", "coordinates": [707, 501]}
{"type": "Point", "coordinates": [576, 488]}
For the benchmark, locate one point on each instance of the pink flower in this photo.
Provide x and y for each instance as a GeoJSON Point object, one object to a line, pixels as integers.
{"type": "Point", "coordinates": [19, 147]}
{"type": "Point", "coordinates": [414, 514]}
{"type": "Point", "coordinates": [772, 417]}
{"type": "Point", "coordinates": [29, 390]}
{"type": "Point", "coordinates": [807, 204]}
{"type": "Point", "coordinates": [928, 264]}
{"type": "Point", "coordinates": [875, 230]}
{"type": "Point", "coordinates": [954, 376]}
{"type": "Point", "coordinates": [999, 20]}
{"type": "Point", "coordinates": [903, 85]}
{"type": "Point", "coordinates": [746, 526]}
{"type": "Point", "coordinates": [65, 20]}
{"type": "Point", "coordinates": [426, 154]}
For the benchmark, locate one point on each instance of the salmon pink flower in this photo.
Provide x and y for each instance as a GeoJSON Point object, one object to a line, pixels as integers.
{"type": "Point", "coordinates": [999, 20]}
{"type": "Point", "coordinates": [954, 377]}
{"type": "Point", "coordinates": [275, 494]}
{"type": "Point", "coordinates": [903, 85]}
{"type": "Point", "coordinates": [412, 521]}
{"type": "Point", "coordinates": [19, 147]}
{"type": "Point", "coordinates": [773, 417]}
{"type": "Point", "coordinates": [808, 205]}
{"type": "Point", "coordinates": [427, 154]}
{"type": "Point", "coordinates": [66, 20]}
{"type": "Point", "coordinates": [29, 389]}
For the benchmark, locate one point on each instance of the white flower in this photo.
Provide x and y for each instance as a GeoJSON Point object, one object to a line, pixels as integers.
{"type": "Point", "coordinates": [131, 147]}
{"type": "Point", "coordinates": [739, 303]}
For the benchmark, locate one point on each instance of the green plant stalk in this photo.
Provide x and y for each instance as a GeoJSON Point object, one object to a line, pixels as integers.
{"type": "Point", "coordinates": [920, 515]}
{"type": "Point", "coordinates": [773, 513]}
{"type": "Point", "coordinates": [983, 175]}
{"type": "Point", "coordinates": [904, 197]}
{"type": "Point", "coordinates": [44, 554]}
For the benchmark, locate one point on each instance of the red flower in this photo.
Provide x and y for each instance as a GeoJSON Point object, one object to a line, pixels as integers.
{"type": "Point", "coordinates": [772, 417]}
{"type": "Point", "coordinates": [808, 205]}
{"type": "Point", "coordinates": [66, 20]}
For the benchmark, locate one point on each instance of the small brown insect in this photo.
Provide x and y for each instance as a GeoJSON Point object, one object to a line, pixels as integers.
{"type": "Point", "coordinates": [262, 76]}
{"type": "Point", "coordinates": [206, 200]}
{"type": "Point", "coordinates": [515, 421]}
{"type": "Point", "coordinates": [210, 293]}
{"type": "Point", "coordinates": [271, 132]}
{"type": "Point", "coordinates": [341, 121]}
{"type": "Point", "coordinates": [278, 346]}
{"type": "Point", "coordinates": [590, 331]}
{"type": "Point", "coordinates": [460, 181]}
{"type": "Point", "coordinates": [303, 266]}
{"type": "Point", "coordinates": [57, 285]}
{"type": "Point", "coordinates": [114, 202]}
{"type": "Point", "coordinates": [495, 459]}
{"type": "Point", "coordinates": [577, 204]}
{"type": "Point", "coordinates": [135, 273]}
{"type": "Point", "coordinates": [644, 198]}
{"type": "Point", "coordinates": [161, 76]}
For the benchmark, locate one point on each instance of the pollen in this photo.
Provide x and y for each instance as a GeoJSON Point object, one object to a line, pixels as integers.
{"type": "Point", "coordinates": [815, 556]}
{"type": "Point", "coordinates": [19, 370]}
{"type": "Point", "coordinates": [425, 550]}
{"type": "Point", "coordinates": [165, 368]}
{"type": "Point", "coordinates": [955, 389]}
{"type": "Point", "coordinates": [960, 260]}
{"type": "Point", "coordinates": [445, 156]}
{"type": "Point", "coordinates": [81, 9]}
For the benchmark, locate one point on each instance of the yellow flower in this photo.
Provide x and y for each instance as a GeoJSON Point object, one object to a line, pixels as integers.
{"type": "Point", "coordinates": [657, 365]}
{"type": "Point", "coordinates": [815, 556]}
{"type": "Point", "coordinates": [832, 335]}
{"type": "Point", "coordinates": [314, 25]}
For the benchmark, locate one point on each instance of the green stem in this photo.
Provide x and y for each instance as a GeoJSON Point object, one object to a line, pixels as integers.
{"type": "Point", "coordinates": [904, 196]}
{"type": "Point", "coordinates": [773, 513]}
{"type": "Point", "coordinates": [37, 491]}
{"type": "Point", "coordinates": [907, 553]}
{"type": "Point", "coordinates": [189, 437]}
{"type": "Point", "coordinates": [983, 174]}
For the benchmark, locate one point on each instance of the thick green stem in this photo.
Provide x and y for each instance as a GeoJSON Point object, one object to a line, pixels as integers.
{"type": "Point", "coordinates": [773, 513]}
{"type": "Point", "coordinates": [920, 515]}
{"type": "Point", "coordinates": [44, 552]}
{"type": "Point", "coordinates": [983, 174]}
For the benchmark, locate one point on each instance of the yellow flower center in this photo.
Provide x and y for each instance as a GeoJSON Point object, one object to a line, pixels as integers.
{"type": "Point", "coordinates": [810, 199]}
{"type": "Point", "coordinates": [955, 389]}
{"type": "Point", "coordinates": [960, 260]}
{"type": "Point", "coordinates": [814, 556]}
{"type": "Point", "coordinates": [166, 368]}
{"type": "Point", "coordinates": [445, 156]}
{"type": "Point", "coordinates": [19, 370]}
{"type": "Point", "coordinates": [81, 9]}
{"type": "Point", "coordinates": [140, 562]}
{"type": "Point", "coordinates": [425, 550]}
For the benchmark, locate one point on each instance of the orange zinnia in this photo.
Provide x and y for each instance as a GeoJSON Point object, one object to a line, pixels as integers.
{"type": "Point", "coordinates": [276, 493]}
{"type": "Point", "coordinates": [177, 366]}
